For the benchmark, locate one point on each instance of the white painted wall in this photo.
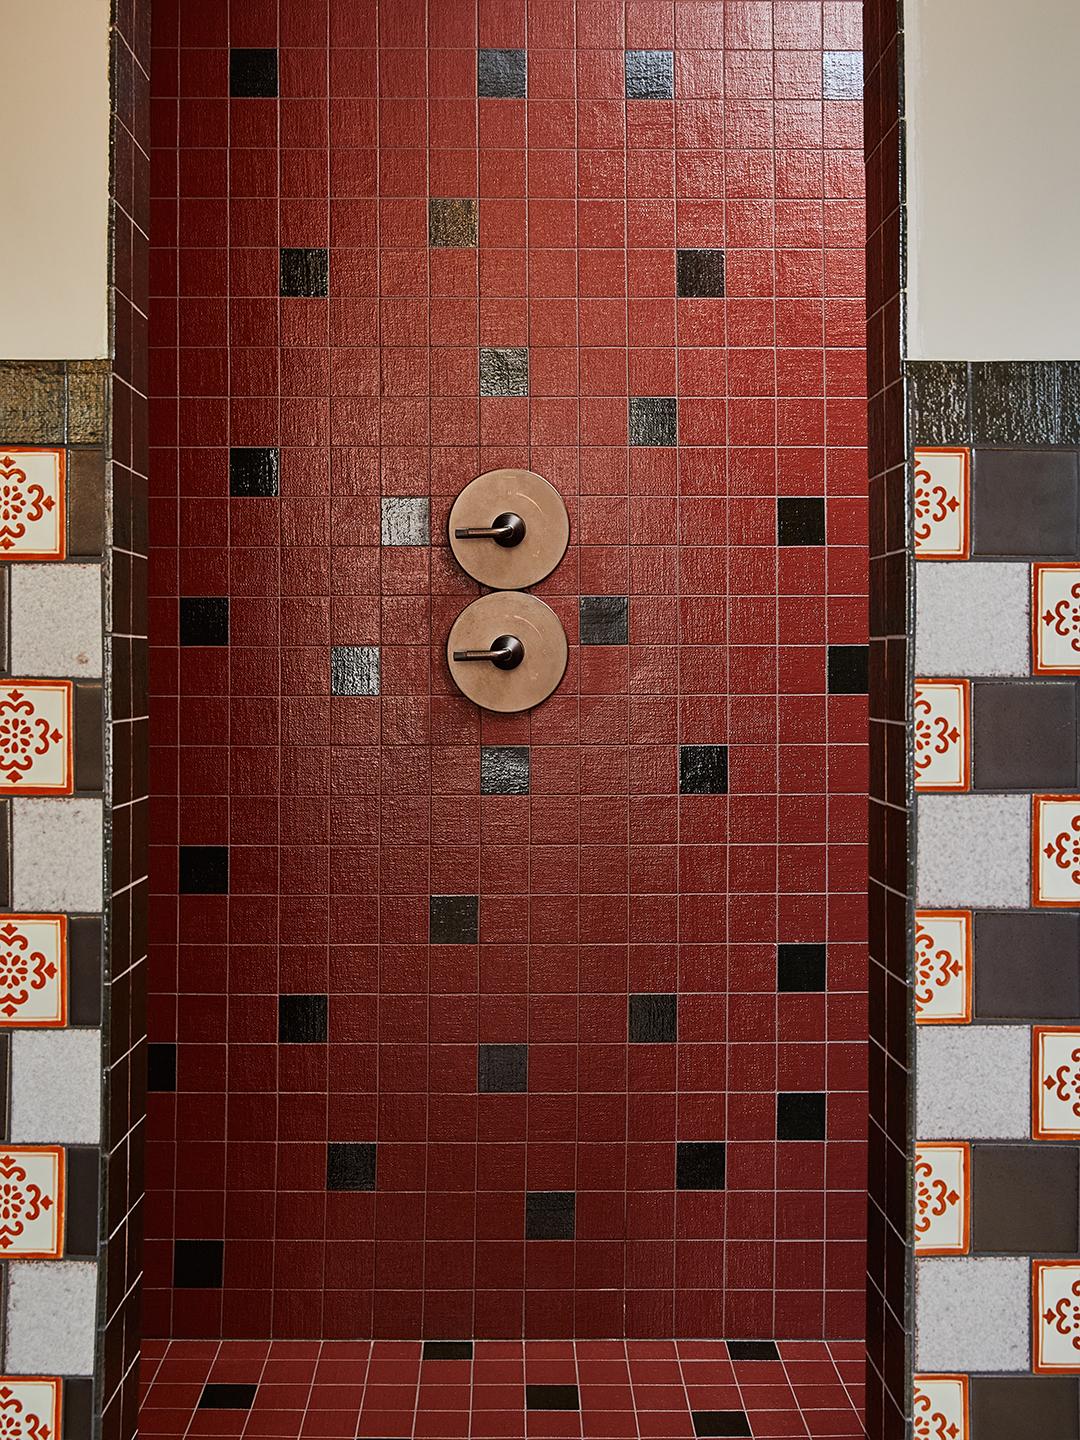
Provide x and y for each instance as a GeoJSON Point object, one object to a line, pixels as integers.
{"type": "Point", "coordinates": [54, 179]}
{"type": "Point", "coordinates": [993, 129]}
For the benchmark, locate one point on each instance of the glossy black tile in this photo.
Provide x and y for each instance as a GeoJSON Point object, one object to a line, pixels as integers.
{"type": "Point", "coordinates": [703, 769]}
{"type": "Point", "coordinates": [253, 74]}
{"type": "Point", "coordinates": [354, 670]}
{"type": "Point", "coordinates": [305, 273]}
{"type": "Point", "coordinates": [849, 669]}
{"type": "Point", "coordinates": [800, 520]}
{"type": "Point", "coordinates": [302, 1019]}
{"type": "Point", "coordinates": [89, 736]}
{"type": "Point", "coordinates": [204, 620]}
{"type": "Point", "coordinates": [552, 1397]}
{"type": "Point", "coordinates": [1025, 503]}
{"type": "Point", "coordinates": [699, 274]}
{"type": "Point", "coordinates": [1004, 1407]}
{"type": "Point", "coordinates": [603, 620]}
{"type": "Point", "coordinates": [1016, 402]}
{"type": "Point", "coordinates": [504, 372]}
{"type": "Point", "coordinates": [653, 1019]}
{"type": "Point", "coordinates": [82, 1183]}
{"type": "Point", "coordinates": [503, 1069]}
{"type": "Point", "coordinates": [1023, 735]}
{"type": "Point", "coordinates": [549, 1215]}
{"type": "Point", "coordinates": [85, 501]}
{"type": "Point", "coordinates": [504, 770]}
{"type": "Point", "coordinates": [501, 74]}
{"type": "Point", "coordinates": [160, 1066]}
{"type": "Point", "coordinates": [1025, 965]}
{"type": "Point", "coordinates": [939, 401]}
{"type": "Point", "coordinates": [254, 472]}
{"type": "Point", "coordinates": [654, 420]}
{"type": "Point", "coordinates": [800, 1115]}
{"type": "Point", "coordinates": [800, 967]}
{"type": "Point", "coordinates": [453, 919]}
{"type": "Point", "coordinates": [720, 1422]}
{"type": "Point", "coordinates": [452, 223]}
{"type": "Point", "coordinates": [198, 1264]}
{"type": "Point", "coordinates": [700, 1165]}
{"type": "Point", "coordinates": [448, 1350]}
{"type": "Point", "coordinates": [227, 1396]}
{"type": "Point", "coordinates": [650, 74]}
{"type": "Point", "coordinates": [84, 970]}
{"type": "Point", "coordinates": [204, 870]}
{"type": "Point", "coordinates": [1025, 1199]}
{"type": "Point", "coordinates": [753, 1350]}
{"type": "Point", "coordinates": [350, 1165]}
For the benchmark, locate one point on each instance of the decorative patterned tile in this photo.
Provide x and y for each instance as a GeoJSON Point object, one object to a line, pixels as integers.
{"type": "Point", "coordinates": [32, 504]}
{"type": "Point", "coordinates": [943, 967]}
{"type": "Point", "coordinates": [1056, 1315]}
{"type": "Point", "coordinates": [30, 1407]}
{"type": "Point", "coordinates": [1055, 1082]}
{"type": "Point", "coordinates": [941, 1407]}
{"type": "Point", "coordinates": [942, 490]}
{"type": "Point", "coordinates": [35, 737]}
{"type": "Point", "coordinates": [942, 1198]}
{"type": "Point", "coordinates": [33, 970]}
{"type": "Point", "coordinates": [1055, 619]}
{"type": "Point", "coordinates": [942, 735]}
{"type": "Point", "coordinates": [1055, 838]}
{"type": "Point", "coordinates": [31, 1202]}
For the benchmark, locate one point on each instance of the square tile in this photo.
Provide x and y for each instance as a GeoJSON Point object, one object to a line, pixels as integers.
{"type": "Point", "coordinates": [160, 1067]}
{"type": "Point", "coordinates": [503, 1069]}
{"type": "Point", "coordinates": [973, 1080]}
{"type": "Point", "coordinates": [254, 471]}
{"type": "Point", "coordinates": [204, 870]}
{"type": "Point", "coordinates": [942, 735]}
{"type": "Point", "coordinates": [32, 483]}
{"type": "Point", "coordinates": [800, 520]}
{"type": "Point", "coordinates": [1004, 1406]}
{"type": "Point", "coordinates": [452, 223]}
{"type": "Point", "coordinates": [849, 669]}
{"type": "Point", "coordinates": [800, 1115]}
{"type": "Point", "coordinates": [1056, 1082]}
{"type": "Point", "coordinates": [302, 1019]}
{"type": "Point", "coordinates": [653, 1019]}
{"type": "Point", "coordinates": [354, 670]}
{"type": "Point", "coordinates": [753, 1350]}
{"type": "Point", "coordinates": [974, 852]}
{"type": "Point", "coordinates": [216, 1396]}
{"type": "Point", "coordinates": [942, 1198]}
{"type": "Point", "coordinates": [973, 619]}
{"type": "Point", "coordinates": [1024, 1199]}
{"type": "Point", "coordinates": [504, 372]}
{"type": "Point", "coordinates": [30, 1408]}
{"type": "Point", "coordinates": [204, 620]}
{"type": "Point", "coordinates": [501, 74]}
{"type": "Point", "coordinates": [35, 737]}
{"type": "Point", "coordinates": [842, 75]}
{"type": "Point", "coordinates": [405, 520]}
{"type": "Point", "coordinates": [699, 274]}
{"type": "Point", "coordinates": [1055, 619]}
{"type": "Point", "coordinates": [720, 1422]}
{"type": "Point", "coordinates": [448, 1350]}
{"type": "Point", "coordinates": [654, 420]}
{"type": "Point", "coordinates": [504, 770]}
{"type": "Point", "coordinates": [198, 1264]}
{"type": "Point", "coordinates": [650, 74]}
{"type": "Point", "coordinates": [1056, 1316]}
{"type": "Point", "coordinates": [703, 769]}
{"type": "Point", "coordinates": [1023, 735]}
{"type": "Point", "coordinates": [305, 273]}
{"type": "Point", "coordinates": [253, 74]}
{"type": "Point", "coordinates": [350, 1165]}
{"type": "Point", "coordinates": [941, 1407]}
{"type": "Point", "coordinates": [32, 1216]}
{"type": "Point", "coordinates": [552, 1397]}
{"type": "Point", "coordinates": [1024, 502]}
{"type": "Point", "coordinates": [974, 1313]}
{"type": "Point", "coordinates": [454, 919]}
{"type": "Point", "coordinates": [800, 968]}
{"type": "Point", "coordinates": [943, 967]}
{"type": "Point", "coordinates": [550, 1215]}
{"type": "Point", "coordinates": [1055, 838]}
{"type": "Point", "coordinates": [700, 1165]}
{"type": "Point", "coordinates": [942, 485]}
{"type": "Point", "coordinates": [1025, 965]}
{"type": "Point", "coordinates": [33, 970]}
{"type": "Point", "coordinates": [603, 620]}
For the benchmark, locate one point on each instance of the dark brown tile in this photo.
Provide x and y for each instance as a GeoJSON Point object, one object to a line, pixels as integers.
{"type": "Point", "coordinates": [84, 970]}
{"type": "Point", "coordinates": [86, 401]}
{"type": "Point", "coordinates": [452, 223]}
{"type": "Point", "coordinates": [1023, 735]}
{"type": "Point", "coordinates": [1026, 965]}
{"type": "Point", "coordinates": [89, 745]}
{"type": "Point", "coordinates": [1006, 1406]}
{"type": "Point", "coordinates": [1024, 1199]}
{"type": "Point", "coordinates": [32, 398]}
{"type": "Point", "coordinates": [81, 1219]}
{"type": "Point", "coordinates": [85, 502]}
{"type": "Point", "coordinates": [1024, 502]}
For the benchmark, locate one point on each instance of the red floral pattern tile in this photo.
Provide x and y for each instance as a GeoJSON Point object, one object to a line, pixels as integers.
{"type": "Point", "coordinates": [35, 737]}
{"type": "Point", "coordinates": [32, 514]}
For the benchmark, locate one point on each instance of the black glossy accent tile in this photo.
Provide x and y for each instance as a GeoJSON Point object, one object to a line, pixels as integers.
{"type": "Point", "coordinates": [504, 371]}
{"type": "Point", "coordinates": [254, 472]}
{"type": "Point", "coordinates": [305, 273]}
{"type": "Point", "coordinates": [650, 74]}
{"type": "Point", "coordinates": [700, 1165]}
{"type": "Point", "coordinates": [82, 1183]}
{"type": "Point", "coordinates": [552, 1397]}
{"type": "Point", "coordinates": [800, 968]}
{"type": "Point", "coordinates": [454, 919]}
{"type": "Point", "coordinates": [849, 669]}
{"type": "Point", "coordinates": [448, 1349]}
{"type": "Point", "coordinates": [800, 1115]}
{"type": "Point", "coordinates": [501, 74]}
{"type": "Point", "coordinates": [452, 223]}
{"type": "Point", "coordinates": [653, 1019]}
{"type": "Point", "coordinates": [699, 274]}
{"type": "Point", "coordinates": [1026, 965]}
{"type": "Point", "coordinates": [503, 1069]}
{"type": "Point", "coordinates": [1025, 1199]}
{"type": "Point", "coordinates": [939, 402]}
{"type": "Point", "coordinates": [654, 420]}
{"type": "Point", "coordinates": [753, 1350]}
{"type": "Point", "coordinates": [1016, 402]}
{"type": "Point", "coordinates": [204, 620]}
{"type": "Point", "coordinates": [77, 1411]}
{"type": "Point", "coordinates": [549, 1215]}
{"type": "Point", "coordinates": [204, 870]}
{"type": "Point", "coordinates": [1023, 735]}
{"type": "Point", "coordinates": [504, 770]}
{"type": "Point", "coordinates": [800, 520]}
{"type": "Point", "coordinates": [703, 769]}
{"type": "Point", "coordinates": [354, 670]}
{"type": "Point", "coordinates": [89, 736]}
{"type": "Point", "coordinates": [84, 495]}
{"type": "Point", "coordinates": [350, 1165]}
{"type": "Point", "coordinates": [198, 1264]}
{"type": "Point", "coordinates": [218, 1396]}
{"type": "Point", "coordinates": [603, 620]}
{"type": "Point", "coordinates": [1037, 1407]}
{"type": "Point", "coordinates": [302, 1019]}
{"type": "Point", "coordinates": [1025, 503]}
{"type": "Point", "coordinates": [160, 1066]}
{"type": "Point", "coordinates": [720, 1422]}
{"type": "Point", "coordinates": [84, 970]}
{"type": "Point", "coordinates": [253, 74]}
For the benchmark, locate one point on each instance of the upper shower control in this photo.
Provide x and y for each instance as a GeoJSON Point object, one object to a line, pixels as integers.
{"type": "Point", "coordinates": [509, 529]}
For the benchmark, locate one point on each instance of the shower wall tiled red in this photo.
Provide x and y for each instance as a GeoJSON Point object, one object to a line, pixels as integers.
{"type": "Point", "coordinates": [550, 1024]}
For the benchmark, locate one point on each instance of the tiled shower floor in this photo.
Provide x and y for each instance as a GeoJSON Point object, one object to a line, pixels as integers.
{"type": "Point", "coordinates": [639, 1388]}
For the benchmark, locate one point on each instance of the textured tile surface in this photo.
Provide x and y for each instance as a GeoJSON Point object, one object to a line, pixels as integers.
{"type": "Point", "coordinates": [501, 74]}
{"type": "Point", "coordinates": [305, 273]}
{"type": "Point", "coordinates": [1024, 502]}
{"type": "Point", "coordinates": [354, 670]}
{"type": "Point", "coordinates": [974, 1081]}
{"type": "Point", "coordinates": [650, 74]}
{"type": "Point", "coordinates": [974, 850]}
{"type": "Point", "coordinates": [405, 520]}
{"type": "Point", "coordinates": [253, 74]}
{"type": "Point", "coordinates": [654, 420]}
{"type": "Point", "coordinates": [972, 619]}
{"type": "Point", "coordinates": [56, 1087]}
{"type": "Point", "coordinates": [504, 372]}
{"type": "Point", "coordinates": [51, 1312]}
{"type": "Point", "coordinates": [452, 223]}
{"type": "Point", "coordinates": [972, 1314]}
{"type": "Point", "coordinates": [842, 74]}
{"type": "Point", "coordinates": [57, 854]}
{"type": "Point", "coordinates": [1027, 965]}
{"type": "Point", "coordinates": [56, 620]}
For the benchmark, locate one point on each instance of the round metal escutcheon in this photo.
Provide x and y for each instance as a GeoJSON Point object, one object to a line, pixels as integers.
{"type": "Point", "coordinates": [489, 622]}
{"type": "Point", "coordinates": [505, 563]}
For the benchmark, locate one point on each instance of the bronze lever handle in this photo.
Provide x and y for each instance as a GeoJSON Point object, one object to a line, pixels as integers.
{"type": "Point", "coordinates": [506, 530]}
{"type": "Point", "coordinates": [506, 653]}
